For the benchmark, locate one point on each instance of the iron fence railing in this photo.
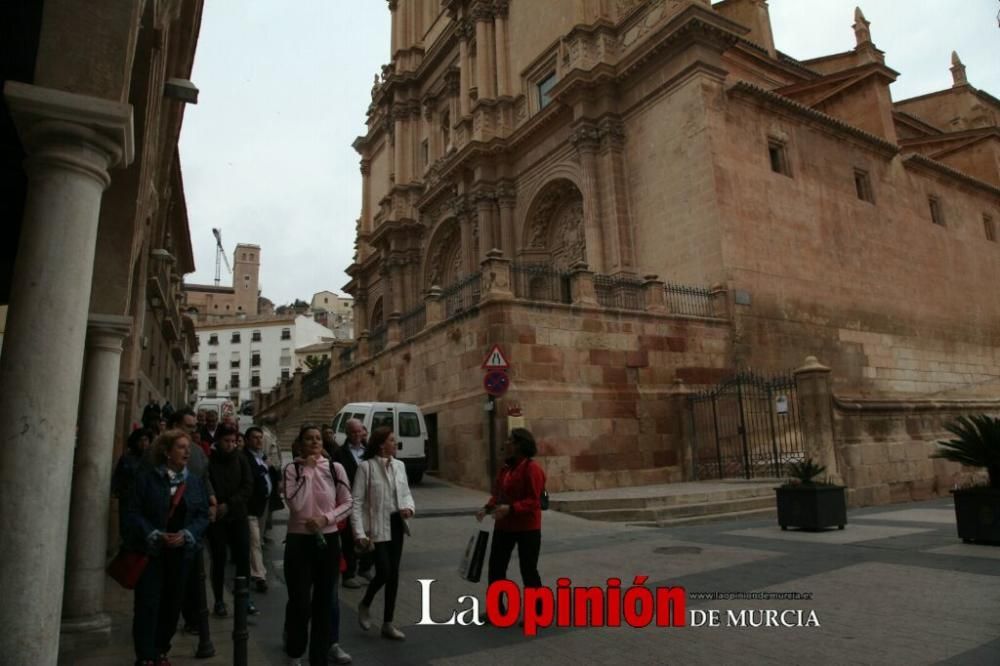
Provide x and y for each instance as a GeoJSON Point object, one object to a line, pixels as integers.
{"type": "Point", "coordinates": [748, 426]}
{"type": "Point", "coordinates": [377, 339]}
{"type": "Point", "coordinates": [540, 282]}
{"type": "Point", "coordinates": [461, 296]}
{"type": "Point", "coordinates": [413, 322]}
{"type": "Point", "coordinates": [623, 293]}
{"type": "Point", "coordinates": [684, 299]}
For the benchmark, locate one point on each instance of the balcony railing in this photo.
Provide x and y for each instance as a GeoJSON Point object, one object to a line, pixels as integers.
{"type": "Point", "coordinates": [684, 299]}
{"type": "Point", "coordinates": [413, 322]}
{"type": "Point", "coordinates": [619, 292]}
{"type": "Point", "coordinates": [461, 296]}
{"type": "Point", "coordinates": [377, 339]}
{"type": "Point", "coordinates": [540, 282]}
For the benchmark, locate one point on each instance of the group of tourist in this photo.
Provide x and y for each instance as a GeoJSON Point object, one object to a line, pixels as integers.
{"type": "Point", "coordinates": [348, 506]}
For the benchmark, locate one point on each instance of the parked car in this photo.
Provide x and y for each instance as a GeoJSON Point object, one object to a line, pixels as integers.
{"type": "Point", "coordinates": [406, 420]}
{"type": "Point", "coordinates": [226, 407]}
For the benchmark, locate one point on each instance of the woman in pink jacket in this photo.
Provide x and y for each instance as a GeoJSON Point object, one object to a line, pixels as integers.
{"type": "Point", "coordinates": [318, 497]}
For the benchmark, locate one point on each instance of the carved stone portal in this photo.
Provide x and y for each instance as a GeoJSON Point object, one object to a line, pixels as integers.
{"type": "Point", "coordinates": [556, 225]}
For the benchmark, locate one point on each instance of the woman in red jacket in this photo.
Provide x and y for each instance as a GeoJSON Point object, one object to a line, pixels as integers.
{"type": "Point", "coordinates": [516, 508]}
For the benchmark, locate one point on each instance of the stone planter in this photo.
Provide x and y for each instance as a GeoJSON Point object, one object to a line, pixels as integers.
{"type": "Point", "coordinates": [977, 512]}
{"type": "Point", "coordinates": [810, 507]}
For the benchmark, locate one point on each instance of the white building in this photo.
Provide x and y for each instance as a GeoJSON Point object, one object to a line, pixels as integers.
{"type": "Point", "coordinates": [334, 311]}
{"type": "Point", "coordinates": [240, 357]}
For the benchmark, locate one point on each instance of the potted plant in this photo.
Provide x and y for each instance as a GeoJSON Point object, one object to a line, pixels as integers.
{"type": "Point", "coordinates": [977, 507]}
{"type": "Point", "coordinates": [809, 504]}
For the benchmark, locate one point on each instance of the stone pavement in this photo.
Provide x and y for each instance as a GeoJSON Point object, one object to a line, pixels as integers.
{"type": "Point", "coordinates": [896, 586]}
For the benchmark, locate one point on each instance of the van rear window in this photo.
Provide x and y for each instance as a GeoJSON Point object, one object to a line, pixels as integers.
{"type": "Point", "coordinates": [409, 425]}
{"type": "Point", "coordinates": [382, 419]}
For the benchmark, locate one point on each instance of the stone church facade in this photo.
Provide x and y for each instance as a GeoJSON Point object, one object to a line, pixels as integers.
{"type": "Point", "coordinates": [636, 198]}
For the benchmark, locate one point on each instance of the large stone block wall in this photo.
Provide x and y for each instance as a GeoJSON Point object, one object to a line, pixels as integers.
{"type": "Point", "coordinates": [884, 448]}
{"type": "Point", "coordinates": [893, 302]}
{"type": "Point", "coordinates": [593, 385]}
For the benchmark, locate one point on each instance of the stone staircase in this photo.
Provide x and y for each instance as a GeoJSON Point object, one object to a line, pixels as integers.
{"type": "Point", "coordinates": [318, 411]}
{"type": "Point", "coordinates": [673, 504]}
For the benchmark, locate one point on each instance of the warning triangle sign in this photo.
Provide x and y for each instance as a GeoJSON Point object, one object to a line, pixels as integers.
{"type": "Point", "coordinates": [495, 360]}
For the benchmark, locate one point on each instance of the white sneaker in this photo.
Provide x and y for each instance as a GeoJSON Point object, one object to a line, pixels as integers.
{"type": "Point", "coordinates": [364, 617]}
{"type": "Point", "coordinates": [295, 661]}
{"type": "Point", "coordinates": [389, 631]}
{"type": "Point", "coordinates": [337, 656]}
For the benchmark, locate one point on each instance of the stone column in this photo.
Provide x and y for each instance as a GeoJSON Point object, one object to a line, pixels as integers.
{"type": "Point", "coordinates": [581, 285]}
{"type": "Point", "coordinates": [506, 199]}
{"type": "Point", "coordinates": [483, 75]}
{"type": "Point", "coordinates": [503, 83]}
{"type": "Point", "coordinates": [393, 334]}
{"type": "Point", "coordinates": [87, 546]}
{"type": "Point", "coordinates": [616, 220]}
{"type": "Point", "coordinates": [464, 33]}
{"type": "Point", "coordinates": [586, 139]}
{"type": "Point", "coordinates": [484, 215]}
{"type": "Point", "coordinates": [815, 402]}
{"type": "Point", "coordinates": [71, 142]}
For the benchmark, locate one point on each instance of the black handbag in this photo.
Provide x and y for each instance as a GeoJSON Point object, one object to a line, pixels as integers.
{"type": "Point", "coordinates": [543, 501]}
{"type": "Point", "coordinates": [471, 566]}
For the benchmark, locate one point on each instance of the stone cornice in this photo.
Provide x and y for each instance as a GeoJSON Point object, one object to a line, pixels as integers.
{"type": "Point", "coordinates": [768, 97]}
{"type": "Point", "coordinates": [872, 404]}
{"type": "Point", "coordinates": [920, 161]}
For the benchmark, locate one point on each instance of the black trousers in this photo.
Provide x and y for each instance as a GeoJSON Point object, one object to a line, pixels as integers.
{"type": "Point", "coordinates": [355, 563]}
{"type": "Point", "coordinates": [158, 597]}
{"type": "Point", "coordinates": [311, 576]}
{"type": "Point", "coordinates": [387, 556]}
{"type": "Point", "coordinates": [529, 545]}
{"type": "Point", "coordinates": [234, 534]}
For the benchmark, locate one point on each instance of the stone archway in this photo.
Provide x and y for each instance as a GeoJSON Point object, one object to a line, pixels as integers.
{"type": "Point", "coordinates": [444, 256]}
{"type": "Point", "coordinates": [377, 318]}
{"type": "Point", "coordinates": [554, 228]}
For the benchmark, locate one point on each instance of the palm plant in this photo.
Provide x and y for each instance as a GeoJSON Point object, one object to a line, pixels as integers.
{"type": "Point", "coordinates": [976, 444]}
{"type": "Point", "coordinates": [805, 471]}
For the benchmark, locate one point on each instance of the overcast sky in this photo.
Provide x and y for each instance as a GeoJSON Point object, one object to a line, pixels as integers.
{"type": "Point", "coordinates": [267, 154]}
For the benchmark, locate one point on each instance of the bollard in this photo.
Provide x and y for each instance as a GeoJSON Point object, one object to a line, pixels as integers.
{"type": "Point", "coordinates": [205, 647]}
{"type": "Point", "coordinates": [241, 596]}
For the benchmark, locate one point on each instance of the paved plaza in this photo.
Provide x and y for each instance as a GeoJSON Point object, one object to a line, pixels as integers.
{"type": "Point", "coordinates": [896, 586]}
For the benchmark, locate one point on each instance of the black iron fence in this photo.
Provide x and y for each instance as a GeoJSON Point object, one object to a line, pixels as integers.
{"type": "Point", "coordinates": [315, 383]}
{"type": "Point", "coordinates": [746, 427]}
{"type": "Point", "coordinates": [540, 282]}
{"type": "Point", "coordinates": [377, 339]}
{"type": "Point", "coordinates": [413, 322]}
{"type": "Point", "coordinates": [683, 299]}
{"type": "Point", "coordinates": [461, 296]}
{"type": "Point", "coordinates": [623, 293]}
{"type": "Point", "coordinates": [347, 355]}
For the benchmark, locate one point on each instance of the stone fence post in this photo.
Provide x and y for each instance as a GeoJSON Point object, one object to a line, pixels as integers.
{"type": "Point", "coordinates": [719, 298]}
{"type": "Point", "coordinates": [434, 312]}
{"type": "Point", "coordinates": [495, 278]}
{"type": "Point", "coordinates": [815, 399]}
{"type": "Point", "coordinates": [581, 285]}
{"type": "Point", "coordinates": [393, 333]}
{"type": "Point", "coordinates": [653, 296]}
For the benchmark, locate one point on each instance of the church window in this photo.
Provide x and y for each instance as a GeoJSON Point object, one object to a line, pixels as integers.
{"type": "Point", "coordinates": [863, 186]}
{"type": "Point", "coordinates": [937, 215]}
{"type": "Point", "coordinates": [778, 154]}
{"type": "Point", "coordinates": [545, 87]}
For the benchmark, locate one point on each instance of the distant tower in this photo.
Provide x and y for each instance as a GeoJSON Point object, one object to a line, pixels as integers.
{"type": "Point", "coordinates": [246, 274]}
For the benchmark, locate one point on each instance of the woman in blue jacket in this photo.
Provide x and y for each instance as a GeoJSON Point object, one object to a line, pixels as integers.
{"type": "Point", "coordinates": [166, 516]}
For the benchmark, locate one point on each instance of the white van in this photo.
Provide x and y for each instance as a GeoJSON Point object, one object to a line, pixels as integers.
{"type": "Point", "coordinates": [406, 420]}
{"type": "Point", "coordinates": [226, 407]}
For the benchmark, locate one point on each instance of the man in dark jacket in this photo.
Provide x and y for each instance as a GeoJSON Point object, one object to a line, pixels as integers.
{"type": "Point", "coordinates": [232, 480]}
{"type": "Point", "coordinates": [263, 488]}
{"type": "Point", "coordinates": [349, 455]}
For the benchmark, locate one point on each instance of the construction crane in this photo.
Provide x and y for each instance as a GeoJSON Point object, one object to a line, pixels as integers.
{"type": "Point", "coordinates": [220, 256]}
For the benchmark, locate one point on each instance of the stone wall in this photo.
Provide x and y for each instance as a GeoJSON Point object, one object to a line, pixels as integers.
{"type": "Point", "coordinates": [884, 448]}
{"type": "Point", "coordinates": [593, 384]}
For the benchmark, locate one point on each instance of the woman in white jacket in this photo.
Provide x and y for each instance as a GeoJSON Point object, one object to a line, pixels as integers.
{"type": "Point", "coordinates": [382, 504]}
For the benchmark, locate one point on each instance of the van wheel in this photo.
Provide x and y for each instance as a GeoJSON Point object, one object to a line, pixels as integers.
{"type": "Point", "coordinates": [415, 477]}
